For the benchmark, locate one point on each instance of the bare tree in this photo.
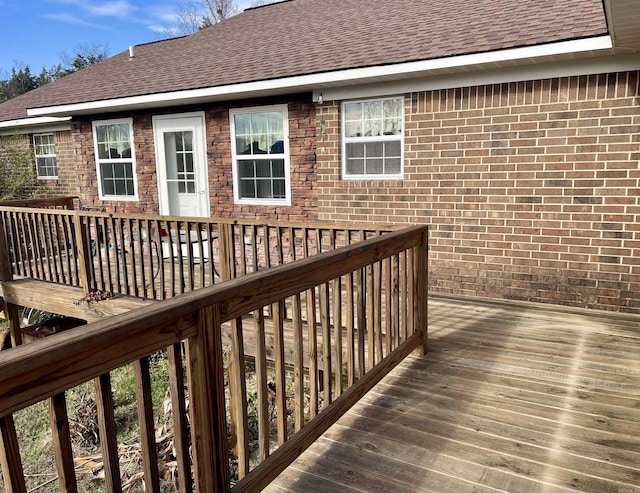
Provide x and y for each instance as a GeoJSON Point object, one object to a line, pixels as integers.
{"type": "Point", "coordinates": [189, 18]}
{"type": "Point", "coordinates": [219, 10]}
{"type": "Point", "coordinates": [198, 14]}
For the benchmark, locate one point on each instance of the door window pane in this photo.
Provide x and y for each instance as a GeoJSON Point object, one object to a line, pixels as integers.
{"type": "Point", "coordinates": [178, 148]}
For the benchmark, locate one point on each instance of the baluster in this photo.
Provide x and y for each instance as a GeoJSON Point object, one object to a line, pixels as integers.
{"type": "Point", "coordinates": [238, 399]}
{"type": "Point", "coordinates": [10, 457]}
{"type": "Point", "coordinates": [261, 382]}
{"type": "Point", "coordinates": [281, 389]}
{"type": "Point", "coordinates": [146, 423]}
{"type": "Point", "coordinates": [62, 443]}
{"type": "Point", "coordinates": [179, 415]}
{"type": "Point", "coordinates": [108, 436]}
{"type": "Point", "coordinates": [298, 364]}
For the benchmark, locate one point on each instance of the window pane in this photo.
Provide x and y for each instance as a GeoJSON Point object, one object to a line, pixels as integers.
{"type": "Point", "coordinates": [263, 169]}
{"type": "Point", "coordinates": [263, 189]}
{"type": "Point", "coordinates": [279, 189]}
{"type": "Point", "coordinates": [278, 168]}
{"type": "Point", "coordinates": [188, 141]}
{"type": "Point", "coordinates": [191, 187]}
{"type": "Point", "coordinates": [106, 170]}
{"type": "Point", "coordinates": [101, 133]}
{"type": "Point", "coordinates": [121, 187]}
{"type": "Point", "coordinates": [189, 163]}
{"type": "Point", "coordinates": [242, 124]}
{"type": "Point", "coordinates": [178, 138]}
{"type": "Point", "coordinates": [355, 150]}
{"type": "Point", "coordinates": [353, 112]}
{"type": "Point", "coordinates": [181, 187]}
{"type": "Point", "coordinates": [353, 129]}
{"type": "Point", "coordinates": [245, 169]}
{"type": "Point", "coordinates": [243, 145]}
{"type": "Point", "coordinates": [247, 189]}
{"type": "Point", "coordinates": [393, 149]}
{"type": "Point", "coordinates": [355, 167]}
{"type": "Point", "coordinates": [375, 166]}
{"type": "Point", "coordinates": [392, 166]}
{"type": "Point", "coordinates": [375, 149]}
{"type": "Point", "coordinates": [108, 188]}
{"type": "Point", "coordinates": [372, 128]}
{"type": "Point", "coordinates": [392, 126]}
{"type": "Point", "coordinates": [277, 147]}
{"type": "Point", "coordinates": [119, 171]}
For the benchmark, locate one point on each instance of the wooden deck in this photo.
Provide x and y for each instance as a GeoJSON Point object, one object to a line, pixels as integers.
{"type": "Point", "coordinates": [512, 397]}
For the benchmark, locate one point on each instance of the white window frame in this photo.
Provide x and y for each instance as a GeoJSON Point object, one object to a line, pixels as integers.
{"type": "Point", "coordinates": [132, 159]}
{"type": "Point", "coordinates": [282, 108]}
{"type": "Point", "coordinates": [37, 156]}
{"type": "Point", "coordinates": [380, 138]}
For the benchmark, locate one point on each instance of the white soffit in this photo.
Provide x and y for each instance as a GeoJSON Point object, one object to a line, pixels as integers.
{"type": "Point", "coordinates": [31, 125]}
{"type": "Point", "coordinates": [585, 48]}
{"type": "Point", "coordinates": [623, 18]}
{"type": "Point", "coordinates": [486, 77]}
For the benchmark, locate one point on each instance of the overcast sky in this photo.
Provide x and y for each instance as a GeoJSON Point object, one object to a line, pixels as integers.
{"type": "Point", "coordinates": [36, 32]}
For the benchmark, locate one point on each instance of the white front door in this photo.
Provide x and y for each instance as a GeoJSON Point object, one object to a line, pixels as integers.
{"type": "Point", "coordinates": [181, 164]}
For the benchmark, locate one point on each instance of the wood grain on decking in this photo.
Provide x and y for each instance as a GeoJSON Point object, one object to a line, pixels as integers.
{"type": "Point", "coordinates": [512, 397]}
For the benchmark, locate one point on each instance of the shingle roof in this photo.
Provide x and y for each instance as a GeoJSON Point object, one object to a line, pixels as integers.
{"type": "Point", "coordinates": [299, 37]}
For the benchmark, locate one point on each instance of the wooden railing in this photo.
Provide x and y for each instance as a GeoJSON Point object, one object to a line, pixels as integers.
{"type": "Point", "coordinates": [339, 321]}
{"type": "Point", "coordinates": [154, 257]}
{"type": "Point", "coordinates": [45, 203]}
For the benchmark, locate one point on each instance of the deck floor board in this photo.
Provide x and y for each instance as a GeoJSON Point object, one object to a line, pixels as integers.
{"type": "Point", "coordinates": [511, 397]}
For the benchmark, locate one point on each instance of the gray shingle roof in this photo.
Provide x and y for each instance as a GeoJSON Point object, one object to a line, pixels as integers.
{"type": "Point", "coordinates": [300, 37]}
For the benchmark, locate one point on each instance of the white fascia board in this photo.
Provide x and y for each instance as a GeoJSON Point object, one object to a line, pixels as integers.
{"type": "Point", "coordinates": [30, 125]}
{"type": "Point", "coordinates": [553, 70]}
{"type": "Point", "coordinates": [311, 81]}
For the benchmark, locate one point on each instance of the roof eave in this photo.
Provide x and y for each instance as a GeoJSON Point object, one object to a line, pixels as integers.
{"type": "Point", "coordinates": [36, 124]}
{"type": "Point", "coordinates": [564, 50]}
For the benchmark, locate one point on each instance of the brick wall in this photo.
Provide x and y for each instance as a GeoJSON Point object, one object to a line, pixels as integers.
{"type": "Point", "coordinates": [65, 184]}
{"type": "Point", "coordinates": [531, 188]}
{"type": "Point", "coordinates": [220, 172]}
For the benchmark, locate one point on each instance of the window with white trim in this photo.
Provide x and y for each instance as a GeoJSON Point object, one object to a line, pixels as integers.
{"type": "Point", "coordinates": [372, 138]}
{"type": "Point", "coordinates": [259, 145]}
{"type": "Point", "coordinates": [115, 159]}
{"type": "Point", "coordinates": [44, 148]}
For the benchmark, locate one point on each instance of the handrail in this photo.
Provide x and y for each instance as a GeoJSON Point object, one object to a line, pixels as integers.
{"type": "Point", "coordinates": [379, 275]}
{"type": "Point", "coordinates": [155, 257]}
{"type": "Point", "coordinates": [46, 202]}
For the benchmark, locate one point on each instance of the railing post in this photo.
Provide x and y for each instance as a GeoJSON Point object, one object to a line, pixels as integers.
{"type": "Point", "coordinates": [6, 275]}
{"type": "Point", "coordinates": [421, 286]}
{"type": "Point", "coordinates": [84, 253]}
{"type": "Point", "coordinates": [207, 404]}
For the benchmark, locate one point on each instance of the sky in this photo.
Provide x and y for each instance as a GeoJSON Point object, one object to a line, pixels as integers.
{"type": "Point", "coordinates": [36, 33]}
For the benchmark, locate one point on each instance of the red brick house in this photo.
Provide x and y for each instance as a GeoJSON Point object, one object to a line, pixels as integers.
{"type": "Point", "coordinates": [510, 126]}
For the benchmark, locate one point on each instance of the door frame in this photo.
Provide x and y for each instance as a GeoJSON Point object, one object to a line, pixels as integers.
{"type": "Point", "coordinates": [200, 154]}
